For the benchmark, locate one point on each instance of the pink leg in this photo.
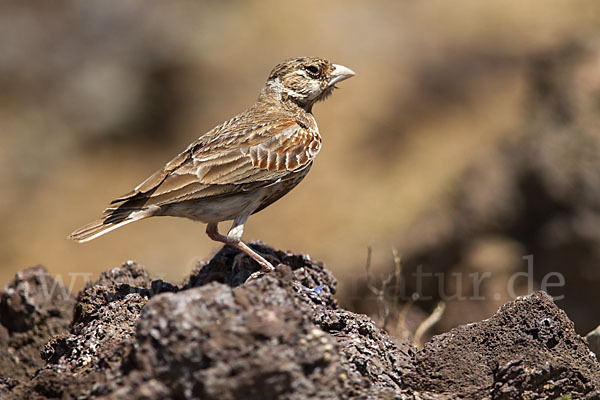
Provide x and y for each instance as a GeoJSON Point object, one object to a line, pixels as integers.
{"type": "Point", "coordinates": [233, 239]}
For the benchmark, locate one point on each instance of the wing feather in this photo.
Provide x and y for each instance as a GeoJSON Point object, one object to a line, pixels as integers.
{"type": "Point", "coordinates": [235, 163]}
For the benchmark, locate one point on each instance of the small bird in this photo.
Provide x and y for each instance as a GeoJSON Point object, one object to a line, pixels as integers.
{"type": "Point", "coordinates": [239, 167]}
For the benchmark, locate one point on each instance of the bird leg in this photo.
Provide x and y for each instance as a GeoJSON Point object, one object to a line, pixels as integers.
{"type": "Point", "coordinates": [234, 239]}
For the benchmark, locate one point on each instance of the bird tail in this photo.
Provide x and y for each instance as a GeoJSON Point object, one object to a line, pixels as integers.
{"type": "Point", "coordinates": [106, 224]}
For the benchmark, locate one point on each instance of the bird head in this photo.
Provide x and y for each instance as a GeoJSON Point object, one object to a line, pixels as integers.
{"type": "Point", "coordinates": [306, 80]}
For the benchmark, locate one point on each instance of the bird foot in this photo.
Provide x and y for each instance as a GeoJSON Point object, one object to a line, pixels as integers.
{"type": "Point", "coordinates": [266, 268]}
{"type": "Point", "coordinates": [255, 275]}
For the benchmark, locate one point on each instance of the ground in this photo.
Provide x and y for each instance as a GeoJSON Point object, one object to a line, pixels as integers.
{"type": "Point", "coordinates": [283, 335]}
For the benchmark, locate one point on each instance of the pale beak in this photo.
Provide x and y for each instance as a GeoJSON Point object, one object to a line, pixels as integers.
{"type": "Point", "coordinates": [339, 74]}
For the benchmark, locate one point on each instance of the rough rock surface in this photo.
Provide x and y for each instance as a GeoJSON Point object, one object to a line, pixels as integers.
{"type": "Point", "coordinates": [33, 308]}
{"type": "Point", "coordinates": [528, 349]}
{"type": "Point", "coordinates": [279, 336]}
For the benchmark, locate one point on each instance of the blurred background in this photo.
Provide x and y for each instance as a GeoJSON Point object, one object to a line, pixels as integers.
{"type": "Point", "coordinates": [469, 139]}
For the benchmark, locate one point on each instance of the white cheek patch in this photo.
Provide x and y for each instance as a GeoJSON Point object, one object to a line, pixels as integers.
{"type": "Point", "coordinates": [315, 90]}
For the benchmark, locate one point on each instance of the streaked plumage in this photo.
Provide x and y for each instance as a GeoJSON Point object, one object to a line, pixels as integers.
{"type": "Point", "coordinates": [239, 167]}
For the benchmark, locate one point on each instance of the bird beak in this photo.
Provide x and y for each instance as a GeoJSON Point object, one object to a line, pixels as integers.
{"type": "Point", "coordinates": [339, 74]}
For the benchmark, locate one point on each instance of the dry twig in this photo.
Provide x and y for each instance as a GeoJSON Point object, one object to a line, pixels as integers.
{"type": "Point", "coordinates": [429, 322]}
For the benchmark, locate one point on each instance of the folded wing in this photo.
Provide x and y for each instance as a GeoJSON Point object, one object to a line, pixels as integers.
{"type": "Point", "coordinates": [224, 165]}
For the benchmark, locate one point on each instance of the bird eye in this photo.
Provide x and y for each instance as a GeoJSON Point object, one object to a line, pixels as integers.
{"type": "Point", "coordinates": [313, 70]}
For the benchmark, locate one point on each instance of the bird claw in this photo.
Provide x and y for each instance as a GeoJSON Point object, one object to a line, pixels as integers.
{"type": "Point", "coordinates": [268, 268]}
{"type": "Point", "coordinates": [255, 276]}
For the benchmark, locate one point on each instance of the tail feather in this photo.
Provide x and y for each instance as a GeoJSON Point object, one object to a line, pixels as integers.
{"type": "Point", "coordinates": [105, 225]}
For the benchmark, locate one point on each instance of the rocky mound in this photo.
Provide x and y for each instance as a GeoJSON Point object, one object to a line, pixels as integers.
{"type": "Point", "coordinates": [280, 336]}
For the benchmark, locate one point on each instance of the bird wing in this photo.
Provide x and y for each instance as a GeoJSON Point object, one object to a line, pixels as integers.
{"type": "Point", "coordinates": [221, 163]}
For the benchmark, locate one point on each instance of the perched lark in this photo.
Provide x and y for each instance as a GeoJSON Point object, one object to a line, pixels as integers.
{"type": "Point", "coordinates": [239, 167]}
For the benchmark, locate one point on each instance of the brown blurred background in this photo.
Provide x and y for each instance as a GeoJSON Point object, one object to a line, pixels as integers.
{"type": "Point", "coordinates": [468, 139]}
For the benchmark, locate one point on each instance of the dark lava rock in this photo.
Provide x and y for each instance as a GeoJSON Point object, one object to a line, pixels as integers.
{"type": "Point", "coordinates": [33, 308]}
{"type": "Point", "coordinates": [284, 336]}
{"type": "Point", "coordinates": [280, 336]}
{"type": "Point", "coordinates": [528, 349]}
